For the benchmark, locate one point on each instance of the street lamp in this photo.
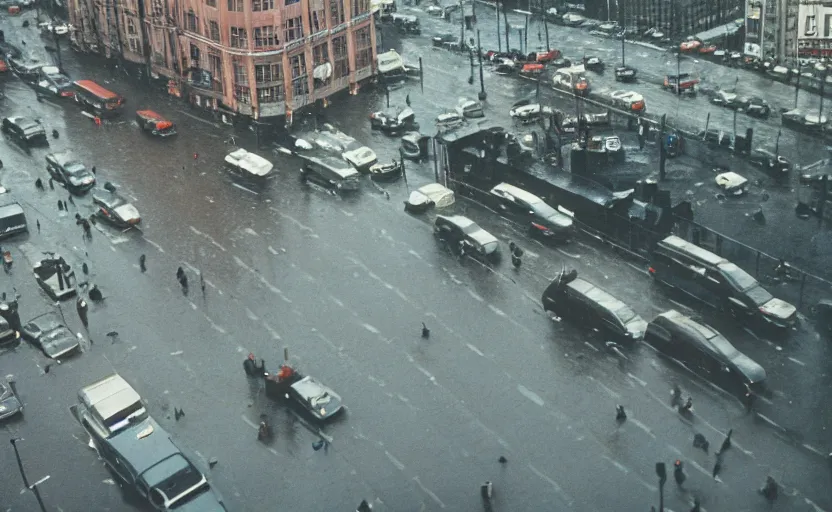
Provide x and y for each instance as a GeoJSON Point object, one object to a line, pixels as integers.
{"type": "Point", "coordinates": [482, 95]}
{"type": "Point", "coordinates": [33, 487]}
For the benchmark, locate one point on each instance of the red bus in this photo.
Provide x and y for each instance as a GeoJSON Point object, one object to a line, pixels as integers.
{"type": "Point", "coordinates": [99, 100]}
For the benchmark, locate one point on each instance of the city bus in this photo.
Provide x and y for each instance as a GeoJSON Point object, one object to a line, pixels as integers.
{"type": "Point", "coordinates": [98, 100]}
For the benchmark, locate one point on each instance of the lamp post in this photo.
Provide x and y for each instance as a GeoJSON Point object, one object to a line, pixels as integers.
{"type": "Point", "coordinates": [33, 487]}
{"type": "Point", "coordinates": [482, 95]}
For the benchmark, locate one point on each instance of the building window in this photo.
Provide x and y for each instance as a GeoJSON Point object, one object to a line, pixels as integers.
{"type": "Point", "coordinates": [298, 65]}
{"type": "Point", "coordinates": [131, 27]}
{"type": "Point", "coordinates": [215, 65]}
{"type": "Point", "coordinates": [360, 7]}
{"type": "Point", "coordinates": [341, 62]}
{"type": "Point", "coordinates": [290, 2]}
{"type": "Point", "coordinates": [214, 29]}
{"type": "Point", "coordinates": [266, 73]}
{"type": "Point", "coordinates": [134, 45]}
{"type": "Point", "coordinates": [294, 29]}
{"type": "Point", "coordinates": [318, 21]}
{"type": "Point", "coordinates": [270, 94]}
{"type": "Point", "coordinates": [191, 21]}
{"type": "Point", "coordinates": [827, 21]}
{"type": "Point", "coordinates": [811, 28]}
{"type": "Point", "coordinates": [158, 8]}
{"type": "Point", "coordinates": [235, 5]}
{"type": "Point", "coordinates": [336, 12]}
{"type": "Point", "coordinates": [264, 37]}
{"type": "Point", "coordinates": [320, 54]}
{"type": "Point", "coordinates": [300, 87]}
{"type": "Point", "coordinates": [363, 48]}
{"type": "Point", "coordinates": [239, 38]}
{"type": "Point", "coordinates": [240, 73]}
{"type": "Point", "coordinates": [211, 3]}
{"type": "Point", "coordinates": [242, 94]}
{"type": "Point", "coordinates": [262, 5]}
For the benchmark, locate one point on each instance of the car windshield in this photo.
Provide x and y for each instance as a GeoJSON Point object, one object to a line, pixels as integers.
{"type": "Point", "coordinates": [543, 210]}
{"type": "Point", "coordinates": [470, 228]}
{"type": "Point", "coordinates": [60, 80]}
{"type": "Point", "coordinates": [737, 277]}
{"type": "Point", "coordinates": [199, 491]}
{"type": "Point", "coordinates": [759, 295]}
{"type": "Point", "coordinates": [76, 170]}
{"type": "Point", "coordinates": [625, 314]}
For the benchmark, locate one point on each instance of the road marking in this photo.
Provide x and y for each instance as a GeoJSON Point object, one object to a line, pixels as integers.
{"type": "Point", "coordinates": [643, 384]}
{"type": "Point", "coordinates": [554, 484]}
{"type": "Point", "coordinates": [813, 449]}
{"type": "Point", "coordinates": [394, 460]}
{"type": "Point", "coordinates": [574, 256]}
{"type": "Point", "coordinates": [475, 295]}
{"type": "Point", "coordinates": [430, 493]}
{"type": "Point", "coordinates": [274, 252]}
{"type": "Point", "coordinates": [318, 432]}
{"type": "Point", "coordinates": [251, 232]}
{"type": "Point", "coordinates": [475, 350]}
{"type": "Point", "coordinates": [208, 237]}
{"type": "Point", "coordinates": [245, 189]}
{"type": "Point", "coordinates": [371, 328]}
{"type": "Point", "coordinates": [214, 325]}
{"type": "Point", "coordinates": [251, 316]}
{"type": "Point", "coordinates": [427, 374]}
{"type": "Point", "coordinates": [618, 465]}
{"type": "Point", "coordinates": [643, 427]}
{"type": "Point", "coordinates": [531, 395]}
{"type": "Point", "coordinates": [154, 244]}
{"type": "Point", "coordinates": [797, 361]}
{"type": "Point", "coordinates": [593, 347]}
{"type": "Point", "coordinates": [770, 422]}
{"type": "Point", "coordinates": [605, 388]}
{"type": "Point", "coordinates": [177, 353]}
{"type": "Point", "coordinates": [496, 310]}
{"type": "Point", "coordinates": [271, 331]}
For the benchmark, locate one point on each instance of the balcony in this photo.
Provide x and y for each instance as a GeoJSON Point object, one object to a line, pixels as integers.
{"type": "Point", "coordinates": [205, 82]}
{"type": "Point", "coordinates": [273, 109]}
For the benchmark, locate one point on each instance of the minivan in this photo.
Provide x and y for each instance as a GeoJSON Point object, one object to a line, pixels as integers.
{"type": "Point", "coordinates": [12, 220]}
{"type": "Point", "coordinates": [526, 208]}
{"type": "Point", "coordinates": [330, 172]}
{"type": "Point", "coordinates": [704, 351]}
{"type": "Point", "coordinates": [717, 282]}
{"type": "Point", "coordinates": [584, 303]}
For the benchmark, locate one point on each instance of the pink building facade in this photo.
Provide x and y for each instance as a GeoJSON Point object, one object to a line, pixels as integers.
{"type": "Point", "coordinates": [257, 58]}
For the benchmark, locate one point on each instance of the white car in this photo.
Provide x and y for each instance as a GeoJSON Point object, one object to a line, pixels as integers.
{"type": "Point", "coordinates": [449, 120]}
{"type": "Point", "coordinates": [530, 111]}
{"type": "Point", "coordinates": [469, 108]}
{"type": "Point", "coordinates": [629, 101]}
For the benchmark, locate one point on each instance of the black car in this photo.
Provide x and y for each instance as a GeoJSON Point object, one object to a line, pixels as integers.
{"type": "Point", "coordinates": [719, 283]}
{"type": "Point", "coordinates": [444, 40]}
{"type": "Point", "coordinates": [528, 209]}
{"type": "Point", "coordinates": [145, 459]}
{"type": "Point", "coordinates": [9, 403]}
{"type": "Point", "coordinates": [584, 303]}
{"type": "Point", "coordinates": [49, 334]}
{"type": "Point", "coordinates": [8, 336]}
{"type": "Point", "coordinates": [331, 173]}
{"type": "Point", "coordinates": [316, 399]}
{"type": "Point", "coordinates": [463, 234]}
{"type": "Point", "coordinates": [752, 105]}
{"type": "Point", "coordinates": [775, 166]}
{"type": "Point", "coordinates": [704, 351]}
{"type": "Point", "coordinates": [27, 132]}
{"type": "Point", "coordinates": [116, 210]}
{"type": "Point", "coordinates": [51, 82]}
{"type": "Point", "coordinates": [625, 74]}
{"type": "Point", "coordinates": [561, 62]}
{"type": "Point", "coordinates": [393, 120]}
{"type": "Point", "coordinates": [66, 169]}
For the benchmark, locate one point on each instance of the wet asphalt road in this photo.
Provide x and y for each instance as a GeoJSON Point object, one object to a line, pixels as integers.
{"type": "Point", "coordinates": [345, 283]}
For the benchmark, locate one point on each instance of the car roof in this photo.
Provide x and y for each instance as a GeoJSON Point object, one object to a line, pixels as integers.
{"type": "Point", "coordinates": [109, 396]}
{"type": "Point", "coordinates": [63, 157]}
{"type": "Point", "coordinates": [50, 316]}
{"type": "Point", "coordinates": [143, 450]}
{"type": "Point", "coordinates": [11, 209]}
{"type": "Point", "coordinates": [596, 294]}
{"type": "Point", "coordinates": [308, 387]}
{"type": "Point", "coordinates": [111, 200]}
{"type": "Point", "coordinates": [150, 115]}
{"type": "Point", "coordinates": [693, 250]}
{"type": "Point", "coordinates": [704, 335]}
{"type": "Point", "coordinates": [519, 193]}
{"type": "Point", "coordinates": [457, 220]}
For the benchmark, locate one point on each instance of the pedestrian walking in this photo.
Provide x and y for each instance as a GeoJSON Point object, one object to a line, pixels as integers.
{"type": "Point", "coordinates": [51, 184]}
{"type": "Point", "coordinates": [717, 467]}
{"type": "Point", "coordinates": [179, 273]}
{"type": "Point", "coordinates": [85, 268]}
{"type": "Point", "coordinates": [425, 331]}
{"type": "Point", "coordinates": [71, 201]}
{"type": "Point", "coordinates": [202, 283]}
{"type": "Point", "coordinates": [60, 205]}
{"type": "Point", "coordinates": [38, 224]}
{"type": "Point", "coordinates": [39, 184]}
{"type": "Point", "coordinates": [725, 444]}
{"type": "Point", "coordinates": [142, 263]}
{"type": "Point", "coordinates": [748, 399]}
{"type": "Point", "coordinates": [407, 100]}
{"type": "Point", "coordinates": [178, 413]}
{"type": "Point", "coordinates": [699, 441]}
{"type": "Point", "coordinates": [620, 415]}
{"type": "Point", "coordinates": [93, 169]}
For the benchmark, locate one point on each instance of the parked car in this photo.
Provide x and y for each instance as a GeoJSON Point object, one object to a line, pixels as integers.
{"type": "Point", "coordinates": [414, 146]}
{"type": "Point", "coordinates": [625, 74]}
{"type": "Point", "coordinates": [629, 101]}
{"type": "Point", "coordinates": [335, 142]}
{"type": "Point", "coordinates": [467, 107]}
{"type": "Point", "coordinates": [25, 131]}
{"type": "Point", "coordinates": [429, 196]}
{"type": "Point", "coordinates": [55, 276]}
{"type": "Point", "coordinates": [449, 121]}
{"type": "Point", "coordinates": [527, 112]}
{"type": "Point", "coordinates": [393, 120]}
{"type": "Point", "coordinates": [116, 210]}
{"type": "Point", "coordinates": [145, 459]}
{"type": "Point", "coordinates": [580, 301]}
{"type": "Point", "coordinates": [717, 282]}
{"type": "Point", "coordinates": [9, 403]}
{"type": "Point", "coordinates": [248, 165]}
{"type": "Point", "coordinates": [49, 334]}
{"type": "Point", "coordinates": [52, 82]}
{"type": "Point", "coordinates": [12, 220]}
{"type": "Point", "coordinates": [109, 406]}
{"type": "Point", "coordinates": [462, 234]}
{"type": "Point", "coordinates": [732, 183]}
{"type": "Point", "coordinates": [704, 351]}
{"type": "Point", "coordinates": [155, 124]}
{"type": "Point", "coordinates": [316, 399]}
{"type": "Point", "coordinates": [26, 69]}
{"type": "Point", "coordinates": [801, 121]}
{"type": "Point", "coordinates": [330, 173]}
{"type": "Point", "coordinates": [528, 209]}
{"type": "Point", "coordinates": [752, 105]}
{"type": "Point", "coordinates": [67, 170]}
{"type": "Point", "coordinates": [8, 336]}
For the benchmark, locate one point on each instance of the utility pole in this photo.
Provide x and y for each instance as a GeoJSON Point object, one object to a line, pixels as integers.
{"type": "Point", "coordinates": [33, 487]}
{"type": "Point", "coordinates": [506, 27]}
{"type": "Point", "coordinates": [482, 95]}
{"type": "Point", "coordinates": [526, 35]}
{"type": "Point", "coordinates": [461, 25]}
{"type": "Point", "coordinates": [777, 143]}
{"type": "Point", "coordinates": [58, 51]}
{"type": "Point", "coordinates": [822, 84]}
{"type": "Point", "coordinates": [546, 28]}
{"type": "Point", "coordinates": [662, 151]}
{"type": "Point", "coordinates": [499, 41]}
{"type": "Point", "coordinates": [661, 472]}
{"type": "Point", "coordinates": [797, 88]}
